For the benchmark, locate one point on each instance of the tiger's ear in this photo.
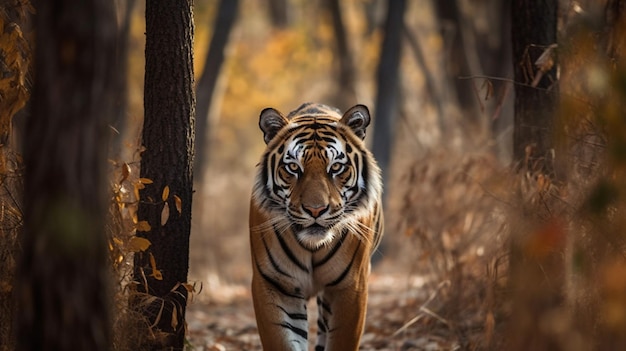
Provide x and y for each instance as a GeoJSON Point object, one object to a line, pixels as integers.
{"type": "Point", "coordinates": [357, 118]}
{"type": "Point", "coordinates": [270, 122]}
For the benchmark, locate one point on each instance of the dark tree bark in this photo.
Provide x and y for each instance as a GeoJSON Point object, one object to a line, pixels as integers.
{"type": "Point", "coordinates": [536, 277]}
{"type": "Point", "coordinates": [457, 63]}
{"type": "Point", "coordinates": [226, 15]}
{"type": "Point", "coordinates": [388, 85]}
{"type": "Point", "coordinates": [533, 31]}
{"type": "Point", "coordinates": [279, 13]}
{"type": "Point", "coordinates": [168, 137]}
{"type": "Point", "coordinates": [387, 95]}
{"type": "Point", "coordinates": [62, 282]}
{"type": "Point", "coordinates": [347, 93]}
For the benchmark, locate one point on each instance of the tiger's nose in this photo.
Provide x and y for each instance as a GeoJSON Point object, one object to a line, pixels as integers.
{"type": "Point", "coordinates": [315, 211]}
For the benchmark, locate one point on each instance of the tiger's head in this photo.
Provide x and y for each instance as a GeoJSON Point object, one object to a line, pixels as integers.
{"type": "Point", "coordinates": [316, 177]}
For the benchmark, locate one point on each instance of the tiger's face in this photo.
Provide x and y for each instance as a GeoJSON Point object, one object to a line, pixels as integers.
{"type": "Point", "coordinates": [314, 173]}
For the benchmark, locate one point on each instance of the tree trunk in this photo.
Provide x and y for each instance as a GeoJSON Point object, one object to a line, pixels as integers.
{"type": "Point", "coordinates": [62, 282]}
{"type": "Point", "coordinates": [226, 15]}
{"type": "Point", "coordinates": [388, 90]}
{"type": "Point", "coordinates": [279, 13]}
{"type": "Point", "coordinates": [457, 58]}
{"type": "Point", "coordinates": [346, 96]}
{"type": "Point", "coordinates": [168, 138]}
{"type": "Point", "coordinates": [388, 85]}
{"type": "Point", "coordinates": [536, 92]}
{"type": "Point", "coordinates": [536, 275]}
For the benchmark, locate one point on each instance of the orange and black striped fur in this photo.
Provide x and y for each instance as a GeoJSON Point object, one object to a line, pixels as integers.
{"type": "Point", "coordinates": [315, 220]}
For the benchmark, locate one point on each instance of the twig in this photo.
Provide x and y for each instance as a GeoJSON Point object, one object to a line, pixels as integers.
{"type": "Point", "coordinates": [424, 310]}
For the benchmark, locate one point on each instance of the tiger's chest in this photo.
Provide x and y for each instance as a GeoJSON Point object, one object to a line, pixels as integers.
{"type": "Point", "coordinates": [305, 272]}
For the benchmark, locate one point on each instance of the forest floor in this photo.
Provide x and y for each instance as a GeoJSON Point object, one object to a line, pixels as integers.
{"type": "Point", "coordinates": [398, 317]}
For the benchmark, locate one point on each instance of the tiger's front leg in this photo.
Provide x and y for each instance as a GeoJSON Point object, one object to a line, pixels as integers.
{"type": "Point", "coordinates": [340, 320]}
{"type": "Point", "coordinates": [341, 315]}
{"type": "Point", "coordinates": [281, 319]}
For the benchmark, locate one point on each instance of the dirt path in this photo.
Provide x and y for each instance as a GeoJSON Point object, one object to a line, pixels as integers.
{"type": "Point", "coordinates": [228, 323]}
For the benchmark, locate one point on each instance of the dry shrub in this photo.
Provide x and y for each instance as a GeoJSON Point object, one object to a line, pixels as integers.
{"type": "Point", "coordinates": [552, 274]}
{"type": "Point", "coordinates": [130, 326]}
{"type": "Point", "coordinates": [454, 211]}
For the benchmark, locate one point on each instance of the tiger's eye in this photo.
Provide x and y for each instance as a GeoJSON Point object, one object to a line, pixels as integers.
{"type": "Point", "coordinates": [292, 167]}
{"type": "Point", "coordinates": [336, 167]}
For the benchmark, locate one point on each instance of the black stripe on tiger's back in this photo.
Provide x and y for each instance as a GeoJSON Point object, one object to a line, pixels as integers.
{"type": "Point", "coordinates": [347, 269]}
{"type": "Point", "coordinates": [288, 252]}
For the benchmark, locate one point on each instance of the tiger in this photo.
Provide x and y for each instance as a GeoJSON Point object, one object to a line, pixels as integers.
{"type": "Point", "coordinates": [315, 220]}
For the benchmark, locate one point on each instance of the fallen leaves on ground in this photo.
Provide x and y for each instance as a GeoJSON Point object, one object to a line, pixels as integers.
{"type": "Point", "coordinates": [394, 300]}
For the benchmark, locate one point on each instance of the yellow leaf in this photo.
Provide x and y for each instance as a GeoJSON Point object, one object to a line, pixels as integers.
{"type": "Point", "coordinates": [179, 204]}
{"type": "Point", "coordinates": [166, 193]}
{"type": "Point", "coordinates": [190, 288]}
{"type": "Point", "coordinates": [165, 214]}
{"type": "Point", "coordinates": [156, 274]}
{"type": "Point", "coordinates": [174, 318]}
{"type": "Point", "coordinates": [145, 181]}
{"type": "Point", "coordinates": [136, 244]}
{"type": "Point", "coordinates": [125, 172]}
{"type": "Point", "coordinates": [143, 226]}
{"type": "Point", "coordinates": [136, 191]}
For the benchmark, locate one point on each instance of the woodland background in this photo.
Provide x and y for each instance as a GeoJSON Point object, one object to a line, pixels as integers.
{"type": "Point", "coordinates": [501, 126]}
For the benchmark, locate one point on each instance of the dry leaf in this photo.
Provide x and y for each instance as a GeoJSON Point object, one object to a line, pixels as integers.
{"type": "Point", "coordinates": [166, 193]}
{"type": "Point", "coordinates": [179, 204]}
{"type": "Point", "coordinates": [125, 172]}
{"type": "Point", "coordinates": [190, 288]}
{"type": "Point", "coordinates": [136, 191]}
{"type": "Point", "coordinates": [136, 244]}
{"type": "Point", "coordinates": [174, 318]}
{"type": "Point", "coordinates": [165, 214]}
{"type": "Point", "coordinates": [143, 226]}
{"type": "Point", "coordinates": [145, 181]}
{"type": "Point", "coordinates": [156, 274]}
